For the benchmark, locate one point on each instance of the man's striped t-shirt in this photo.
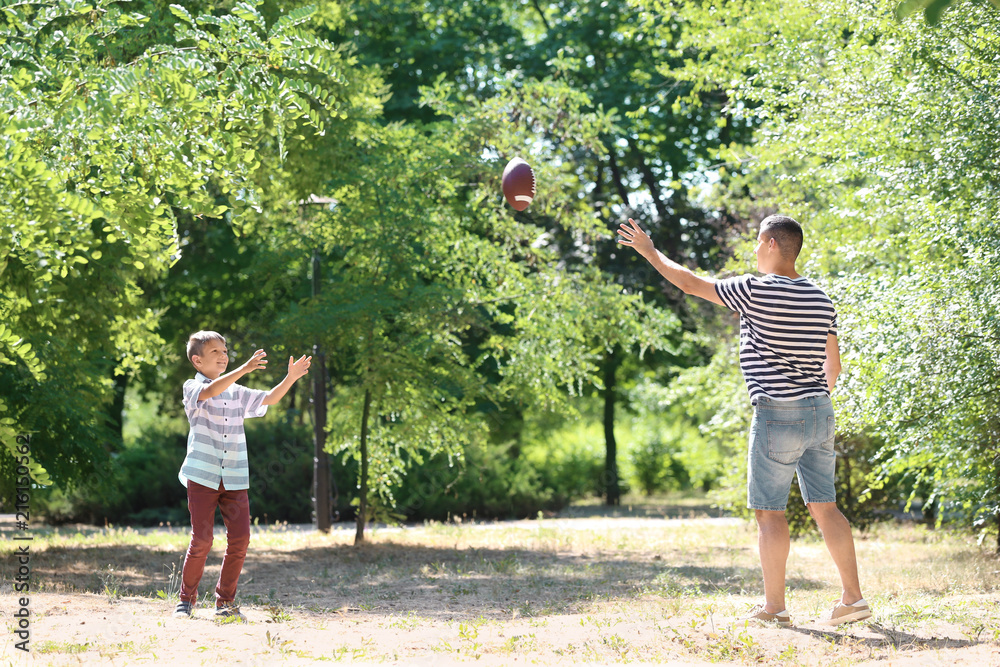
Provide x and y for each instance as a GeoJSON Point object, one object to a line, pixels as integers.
{"type": "Point", "coordinates": [217, 444]}
{"type": "Point", "coordinates": [784, 324]}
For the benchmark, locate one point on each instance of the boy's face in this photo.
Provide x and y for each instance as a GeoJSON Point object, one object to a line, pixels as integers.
{"type": "Point", "coordinates": [213, 359]}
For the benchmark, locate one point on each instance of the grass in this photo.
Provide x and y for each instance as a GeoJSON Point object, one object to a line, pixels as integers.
{"type": "Point", "coordinates": [48, 646]}
{"type": "Point", "coordinates": [554, 590]}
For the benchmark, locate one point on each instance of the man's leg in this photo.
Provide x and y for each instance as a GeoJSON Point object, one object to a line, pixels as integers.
{"type": "Point", "coordinates": [840, 542]}
{"type": "Point", "coordinates": [201, 504]}
{"type": "Point", "coordinates": [775, 443]}
{"type": "Point", "coordinates": [235, 508]}
{"type": "Point", "coordinates": [773, 540]}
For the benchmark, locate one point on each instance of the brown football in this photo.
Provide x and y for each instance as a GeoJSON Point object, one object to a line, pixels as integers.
{"type": "Point", "coordinates": [518, 184]}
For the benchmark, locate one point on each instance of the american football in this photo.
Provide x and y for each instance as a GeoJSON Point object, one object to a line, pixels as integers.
{"type": "Point", "coordinates": [518, 184]}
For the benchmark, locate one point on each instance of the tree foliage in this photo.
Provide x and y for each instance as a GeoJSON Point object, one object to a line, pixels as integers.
{"type": "Point", "coordinates": [435, 303]}
{"type": "Point", "coordinates": [439, 299]}
{"type": "Point", "coordinates": [881, 135]}
{"type": "Point", "coordinates": [100, 158]}
{"type": "Point", "coordinates": [645, 164]}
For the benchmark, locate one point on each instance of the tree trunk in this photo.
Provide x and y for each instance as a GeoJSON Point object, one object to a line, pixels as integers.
{"type": "Point", "coordinates": [617, 179]}
{"type": "Point", "coordinates": [359, 535]}
{"type": "Point", "coordinates": [613, 493]}
{"type": "Point", "coordinates": [321, 460]}
{"type": "Point", "coordinates": [669, 231]}
{"type": "Point", "coordinates": [118, 409]}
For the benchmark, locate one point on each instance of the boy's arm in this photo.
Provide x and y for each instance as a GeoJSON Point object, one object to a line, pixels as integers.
{"type": "Point", "coordinates": [679, 275]}
{"type": "Point", "coordinates": [223, 382]}
{"type": "Point", "coordinates": [296, 369]}
{"type": "Point", "coordinates": [831, 367]}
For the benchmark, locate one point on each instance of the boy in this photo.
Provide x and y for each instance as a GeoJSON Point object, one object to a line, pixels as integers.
{"type": "Point", "coordinates": [215, 470]}
{"type": "Point", "coordinates": [790, 360]}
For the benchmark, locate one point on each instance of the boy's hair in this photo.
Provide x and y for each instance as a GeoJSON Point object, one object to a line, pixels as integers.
{"type": "Point", "coordinates": [786, 232]}
{"type": "Point", "coordinates": [197, 342]}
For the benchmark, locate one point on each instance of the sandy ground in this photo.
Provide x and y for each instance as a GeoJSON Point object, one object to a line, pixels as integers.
{"type": "Point", "coordinates": [90, 630]}
{"type": "Point", "coordinates": [317, 599]}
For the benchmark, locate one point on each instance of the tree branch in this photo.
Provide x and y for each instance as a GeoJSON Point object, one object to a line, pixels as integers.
{"type": "Point", "coordinates": [541, 15]}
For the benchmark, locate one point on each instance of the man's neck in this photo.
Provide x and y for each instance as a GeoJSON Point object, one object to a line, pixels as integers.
{"type": "Point", "coordinates": [785, 272]}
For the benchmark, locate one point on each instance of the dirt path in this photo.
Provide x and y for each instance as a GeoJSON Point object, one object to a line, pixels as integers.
{"type": "Point", "coordinates": [87, 628]}
{"type": "Point", "coordinates": [562, 591]}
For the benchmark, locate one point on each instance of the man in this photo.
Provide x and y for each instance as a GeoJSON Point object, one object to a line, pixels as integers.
{"type": "Point", "coordinates": [790, 360]}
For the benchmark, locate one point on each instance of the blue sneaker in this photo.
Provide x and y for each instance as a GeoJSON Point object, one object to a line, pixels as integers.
{"type": "Point", "coordinates": [184, 609]}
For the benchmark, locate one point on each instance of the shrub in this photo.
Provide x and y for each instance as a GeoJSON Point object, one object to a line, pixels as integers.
{"type": "Point", "coordinates": [140, 485]}
{"type": "Point", "coordinates": [861, 502]}
{"type": "Point", "coordinates": [658, 469]}
{"type": "Point", "coordinates": [490, 483]}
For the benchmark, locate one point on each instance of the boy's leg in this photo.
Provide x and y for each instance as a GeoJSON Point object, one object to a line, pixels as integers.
{"type": "Point", "coordinates": [201, 504]}
{"type": "Point", "coordinates": [840, 542]}
{"type": "Point", "coordinates": [235, 508]}
{"type": "Point", "coordinates": [774, 544]}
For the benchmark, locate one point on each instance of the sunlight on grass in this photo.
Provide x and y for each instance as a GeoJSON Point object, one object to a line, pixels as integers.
{"type": "Point", "coordinates": [637, 588]}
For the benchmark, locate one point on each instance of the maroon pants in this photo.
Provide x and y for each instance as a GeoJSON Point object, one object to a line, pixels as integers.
{"type": "Point", "coordinates": [235, 508]}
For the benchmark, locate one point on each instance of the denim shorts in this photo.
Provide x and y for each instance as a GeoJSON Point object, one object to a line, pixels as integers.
{"type": "Point", "coordinates": [789, 437]}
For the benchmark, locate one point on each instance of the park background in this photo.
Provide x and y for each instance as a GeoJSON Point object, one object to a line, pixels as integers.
{"type": "Point", "coordinates": [326, 178]}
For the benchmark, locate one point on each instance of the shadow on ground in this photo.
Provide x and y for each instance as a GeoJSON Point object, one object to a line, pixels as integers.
{"type": "Point", "coordinates": [402, 578]}
{"type": "Point", "coordinates": [651, 510]}
{"type": "Point", "coordinates": [890, 637]}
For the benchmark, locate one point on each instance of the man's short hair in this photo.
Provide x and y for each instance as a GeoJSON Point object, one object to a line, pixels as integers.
{"type": "Point", "coordinates": [786, 232]}
{"type": "Point", "coordinates": [196, 343]}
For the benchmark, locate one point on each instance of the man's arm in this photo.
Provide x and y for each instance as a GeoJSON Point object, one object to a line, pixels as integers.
{"type": "Point", "coordinates": [223, 382]}
{"type": "Point", "coordinates": [678, 275]}
{"type": "Point", "coordinates": [831, 367]}
{"type": "Point", "coordinates": [296, 369]}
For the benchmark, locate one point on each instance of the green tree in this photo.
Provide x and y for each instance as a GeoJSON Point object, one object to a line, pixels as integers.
{"type": "Point", "coordinates": [435, 304]}
{"type": "Point", "coordinates": [439, 298]}
{"type": "Point", "coordinates": [100, 156]}
{"type": "Point", "coordinates": [648, 167]}
{"type": "Point", "coordinates": [881, 136]}
{"type": "Point", "coordinates": [644, 165]}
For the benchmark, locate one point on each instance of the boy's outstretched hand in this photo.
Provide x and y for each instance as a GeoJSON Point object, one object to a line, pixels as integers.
{"type": "Point", "coordinates": [297, 369]}
{"type": "Point", "coordinates": [257, 361]}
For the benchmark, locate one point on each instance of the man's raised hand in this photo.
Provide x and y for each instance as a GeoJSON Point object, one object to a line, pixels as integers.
{"type": "Point", "coordinates": [631, 235]}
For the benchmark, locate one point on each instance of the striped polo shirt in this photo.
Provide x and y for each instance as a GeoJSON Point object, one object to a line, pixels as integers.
{"type": "Point", "coordinates": [217, 445]}
{"type": "Point", "coordinates": [784, 324]}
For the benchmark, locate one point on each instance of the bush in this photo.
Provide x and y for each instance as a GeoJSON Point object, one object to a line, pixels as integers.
{"type": "Point", "coordinates": [489, 483]}
{"type": "Point", "coordinates": [135, 487]}
{"type": "Point", "coordinates": [857, 498]}
{"type": "Point", "coordinates": [280, 452]}
{"type": "Point", "coordinates": [673, 455]}
{"type": "Point", "coordinates": [140, 486]}
{"type": "Point", "coordinates": [860, 501]}
{"type": "Point", "coordinates": [658, 469]}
